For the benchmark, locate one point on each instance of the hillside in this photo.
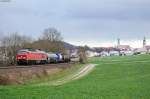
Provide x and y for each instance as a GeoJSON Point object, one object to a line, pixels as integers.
{"type": "Point", "coordinates": [69, 46]}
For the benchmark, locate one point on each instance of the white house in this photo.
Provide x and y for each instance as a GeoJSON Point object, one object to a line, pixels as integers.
{"type": "Point", "coordinates": [124, 47]}
{"type": "Point", "coordinates": [140, 51]}
{"type": "Point", "coordinates": [74, 53]}
{"type": "Point", "coordinates": [96, 54]}
{"type": "Point", "coordinates": [126, 53]}
{"type": "Point", "coordinates": [90, 53]}
{"type": "Point", "coordinates": [147, 48]}
{"type": "Point", "coordinates": [114, 53]}
{"type": "Point", "coordinates": [104, 53]}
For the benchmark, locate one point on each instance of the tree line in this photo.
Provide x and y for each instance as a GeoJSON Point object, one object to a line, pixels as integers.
{"type": "Point", "coordinates": [50, 40]}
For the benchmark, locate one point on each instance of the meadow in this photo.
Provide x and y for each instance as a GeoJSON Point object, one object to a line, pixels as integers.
{"type": "Point", "coordinates": [119, 77]}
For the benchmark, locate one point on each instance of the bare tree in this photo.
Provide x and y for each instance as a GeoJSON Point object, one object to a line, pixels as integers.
{"type": "Point", "coordinates": [11, 44]}
{"type": "Point", "coordinates": [51, 40]}
{"type": "Point", "coordinates": [51, 34]}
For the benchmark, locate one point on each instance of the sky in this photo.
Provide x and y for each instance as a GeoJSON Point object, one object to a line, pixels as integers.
{"type": "Point", "coordinates": [81, 22]}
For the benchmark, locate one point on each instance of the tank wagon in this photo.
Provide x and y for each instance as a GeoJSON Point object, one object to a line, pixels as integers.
{"type": "Point", "coordinates": [52, 58]}
{"type": "Point", "coordinates": [57, 58]}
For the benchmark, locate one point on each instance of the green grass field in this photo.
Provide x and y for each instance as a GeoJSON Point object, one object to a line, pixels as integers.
{"type": "Point", "coordinates": [113, 78]}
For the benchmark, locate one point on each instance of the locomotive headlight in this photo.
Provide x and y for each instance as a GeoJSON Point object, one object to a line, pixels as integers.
{"type": "Point", "coordinates": [18, 57]}
{"type": "Point", "coordinates": [24, 57]}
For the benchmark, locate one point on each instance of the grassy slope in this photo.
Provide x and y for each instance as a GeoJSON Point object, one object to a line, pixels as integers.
{"type": "Point", "coordinates": [113, 78]}
{"type": "Point", "coordinates": [57, 75]}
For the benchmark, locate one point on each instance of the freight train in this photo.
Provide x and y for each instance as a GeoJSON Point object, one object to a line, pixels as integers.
{"type": "Point", "coordinates": [31, 56]}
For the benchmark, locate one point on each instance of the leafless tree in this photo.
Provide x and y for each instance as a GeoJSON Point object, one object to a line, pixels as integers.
{"type": "Point", "coordinates": [51, 40]}
{"type": "Point", "coordinates": [52, 34]}
{"type": "Point", "coordinates": [11, 44]}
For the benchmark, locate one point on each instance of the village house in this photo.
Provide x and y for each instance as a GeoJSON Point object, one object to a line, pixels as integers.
{"type": "Point", "coordinates": [147, 47]}
{"type": "Point", "coordinates": [114, 53]}
{"type": "Point", "coordinates": [104, 53]}
{"type": "Point", "coordinates": [140, 51]}
{"type": "Point", "coordinates": [124, 47]}
{"type": "Point", "coordinates": [91, 53]}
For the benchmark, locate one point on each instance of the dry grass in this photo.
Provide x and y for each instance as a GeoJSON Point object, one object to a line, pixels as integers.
{"type": "Point", "coordinates": [13, 76]}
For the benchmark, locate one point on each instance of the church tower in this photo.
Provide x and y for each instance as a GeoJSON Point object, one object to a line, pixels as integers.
{"type": "Point", "coordinates": [118, 41]}
{"type": "Point", "coordinates": [144, 42]}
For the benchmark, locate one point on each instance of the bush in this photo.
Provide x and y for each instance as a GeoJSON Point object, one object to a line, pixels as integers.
{"type": "Point", "coordinates": [82, 55]}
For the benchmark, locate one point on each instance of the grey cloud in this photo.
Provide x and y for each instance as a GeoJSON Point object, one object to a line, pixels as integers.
{"type": "Point", "coordinates": [99, 20]}
{"type": "Point", "coordinates": [125, 10]}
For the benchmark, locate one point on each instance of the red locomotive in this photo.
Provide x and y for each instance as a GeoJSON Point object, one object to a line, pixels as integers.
{"type": "Point", "coordinates": [30, 56]}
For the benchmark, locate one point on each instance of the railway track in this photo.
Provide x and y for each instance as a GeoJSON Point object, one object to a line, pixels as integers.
{"type": "Point", "coordinates": [30, 66]}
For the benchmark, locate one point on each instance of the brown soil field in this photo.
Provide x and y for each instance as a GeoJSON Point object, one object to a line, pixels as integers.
{"type": "Point", "coordinates": [21, 74]}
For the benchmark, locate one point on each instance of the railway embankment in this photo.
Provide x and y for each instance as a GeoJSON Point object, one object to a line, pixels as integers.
{"type": "Point", "coordinates": [83, 71]}
{"type": "Point", "coordinates": [14, 75]}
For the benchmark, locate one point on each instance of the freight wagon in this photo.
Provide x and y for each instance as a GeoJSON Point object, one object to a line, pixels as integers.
{"type": "Point", "coordinates": [57, 58]}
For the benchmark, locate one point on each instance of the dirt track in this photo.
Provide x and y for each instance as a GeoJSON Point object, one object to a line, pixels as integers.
{"type": "Point", "coordinates": [81, 73]}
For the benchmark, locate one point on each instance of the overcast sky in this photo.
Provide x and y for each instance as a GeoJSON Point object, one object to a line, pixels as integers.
{"type": "Point", "coordinates": [90, 22]}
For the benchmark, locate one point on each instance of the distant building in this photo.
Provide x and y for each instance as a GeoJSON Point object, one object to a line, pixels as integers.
{"type": "Point", "coordinates": [140, 51]}
{"type": "Point", "coordinates": [144, 50]}
{"type": "Point", "coordinates": [91, 53]}
{"type": "Point", "coordinates": [74, 53]}
{"type": "Point", "coordinates": [104, 53]}
{"type": "Point", "coordinates": [144, 42]}
{"type": "Point", "coordinates": [124, 47]}
{"type": "Point", "coordinates": [126, 53]}
{"type": "Point", "coordinates": [147, 47]}
{"type": "Point", "coordinates": [114, 53]}
{"type": "Point", "coordinates": [118, 43]}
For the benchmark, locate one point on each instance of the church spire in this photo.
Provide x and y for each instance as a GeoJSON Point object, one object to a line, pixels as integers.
{"type": "Point", "coordinates": [118, 41]}
{"type": "Point", "coordinates": [144, 42]}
